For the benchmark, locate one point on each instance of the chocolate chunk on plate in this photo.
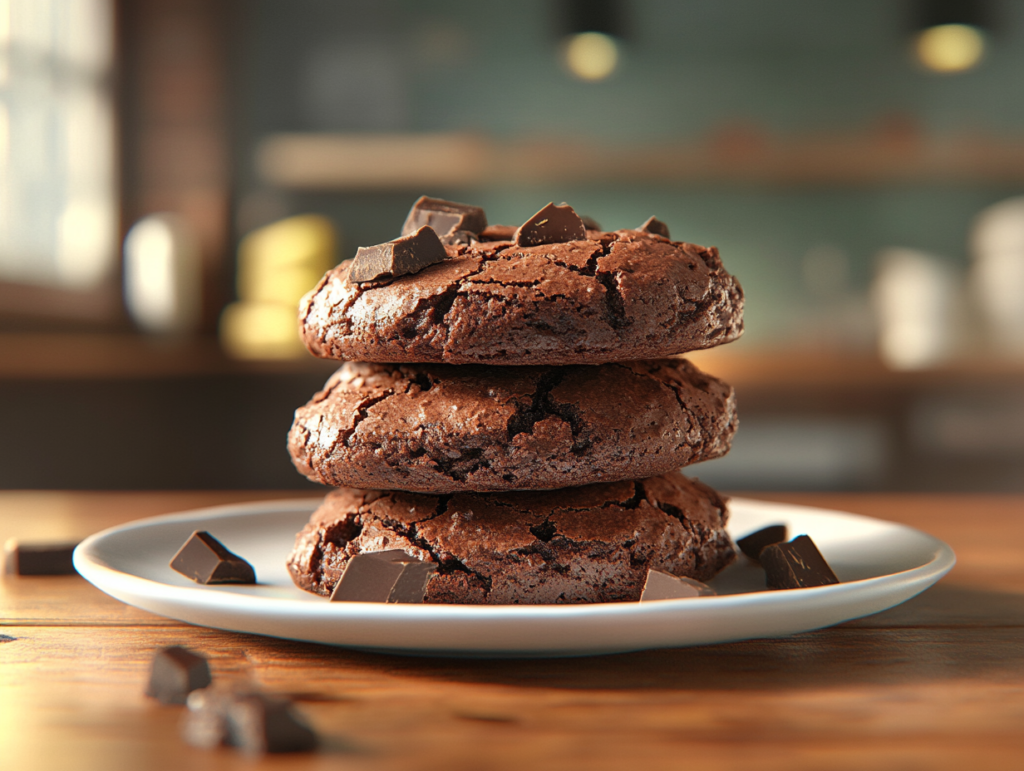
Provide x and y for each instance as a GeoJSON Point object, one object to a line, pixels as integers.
{"type": "Point", "coordinates": [175, 673]}
{"type": "Point", "coordinates": [656, 226]}
{"type": "Point", "coordinates": [753, 544]}
{"type": "Point", "coordinates": [796, 565]}
{"type": "Point", "coordinates": [401, 257]}
{"type": "Point", "coordinates": [665, 586]}
{"type": "Point", "coordinates": [383, 576]}
{"type": "Point", "coordinates": [445, 217]}
{"type": "Point", "coordinates": [551, 225]}
{"type": "Point", "coordinates": [206, 560]}
{"type": "Point", "coordinates": [38, 559]}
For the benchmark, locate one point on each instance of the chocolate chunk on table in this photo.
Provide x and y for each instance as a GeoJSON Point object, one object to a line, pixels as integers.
{"type": "Point", "coordinates": [755, 542]}
{"type": "Point", "coordinates": [405, 255]}
{"type": "Point", "coordinates": [665, 586]}
{"type": "Point", "coordinates": [656, 226]}
{"type": "Point", "coordinates": [551, 225]}
{"type": "Point", "coordinates": [444, 217]}
{"type": "Point", "coordinates": [245, 718]}
{"type": "Point", "coordinates": [38, 559]}
{"type": "Point", "coordinates": [206, 560]}
{"type": "Point", "coordinates": [383, 576]}
{"type": "Point", "coordinates": [796, 565]}
{"type": "Point", "coordinates": [176, 673]}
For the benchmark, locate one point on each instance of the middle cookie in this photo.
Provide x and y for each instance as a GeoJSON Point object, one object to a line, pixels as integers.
{"type": "Point", "coordinates": [436, 428]}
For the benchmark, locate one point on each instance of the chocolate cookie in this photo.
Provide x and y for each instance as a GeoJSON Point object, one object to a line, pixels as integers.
{"type": "Point", "coordinates": [439, 428]}
{"type": "Point", "coordinates": [618, 296]}
{"type": "Point", "coordinates": [577, 545]}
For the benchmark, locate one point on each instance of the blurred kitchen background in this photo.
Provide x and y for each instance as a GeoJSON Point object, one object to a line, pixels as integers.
{"type": "Point", "coordinates": [174, 174]}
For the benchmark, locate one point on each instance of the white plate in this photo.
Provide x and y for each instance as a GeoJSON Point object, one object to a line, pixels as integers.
{"type": "Point", "coordinates": [880, 564]}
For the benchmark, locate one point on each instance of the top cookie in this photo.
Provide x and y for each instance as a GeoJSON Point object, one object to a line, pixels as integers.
{"type": "Point", "coordinates": [512, 296]}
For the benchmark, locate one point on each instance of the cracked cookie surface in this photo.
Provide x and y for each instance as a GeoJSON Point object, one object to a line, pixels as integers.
{"type": "Point", "coordinates": [578, 545]}
{"type": "Point", "coordinates": [615, 296]}
{"type": "Point", "coordinates": [440, 428]}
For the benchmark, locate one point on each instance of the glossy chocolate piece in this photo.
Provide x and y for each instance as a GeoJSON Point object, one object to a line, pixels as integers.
{"type": "Point", "coordinates": [459, 238]}
{"type": "Point", "coordinates": [176, 672]}
{"type": "Point", "coordinates": [551, 225]}
{"type": "Point", "coordinates": [38, 559]}
{"type": "Point", "coordinates": [589, 222]}
{"type": "Point", "coordinates": [656, 226]}
{"type": "Point", "coordinates": [243, 717]}
{"type": "Point", "coordinates": [665, 586]}
{"type": "Point", "coordinates": [498, 233]}
{"type": "Point", "coordinates": [444, 217]}
{"type": "Point", "coordinates": [205, 560]}
{"type": "Point", "coordinates": [753, 544]}
{"type": "Point", "coordinates": [258, 723]}
{"type": "Point", "coordinates": [383, 576]}
{"type": "Point", "coordinates": [796, 565]}
{"type": "Point", "coordinates": [401, 257]}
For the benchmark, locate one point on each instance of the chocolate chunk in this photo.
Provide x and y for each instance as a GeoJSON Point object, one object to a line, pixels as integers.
{"type": "Point", "coordinates": [665, 586]}
{"type": "Point", "coordinates": [551, 225]}
{"type": "Point", "coordinates": [176, 673]}
{"type": "Point", "coordinates": [752, 544]}
{"type": "Point", "coordinates": [498, 233]}
{"type": "Point", "coordinates": [244, 718]}
{"type": "Point", "coordinates": [205, 560]}
{"type": "Point", "coordinates": [383, 576]}
{"type": "Point", "coordinates": [656, 226]}
{"type": "Point", "coordinates": [795, 565]}
{"type": "Point", "coordinates": [38, 559]}
{"type": "Point", "coordinates": [258, 723]}
{"type": "Point", "coordinates": [444, 217]}
{"type": "Point", "coordinates": [589, 223]}
{"type": "Point", "coordinates": [405, 255]}
{"type": "Point", "coordinates": [459, 238]}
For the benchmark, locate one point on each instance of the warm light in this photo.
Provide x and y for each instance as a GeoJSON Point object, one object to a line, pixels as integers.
{"type": "Point", "coordinates": [591, 55]}
{"type": "Point", "coordinates": [162, 274]}
{"type": "Point", "coordinates": [950, 47]}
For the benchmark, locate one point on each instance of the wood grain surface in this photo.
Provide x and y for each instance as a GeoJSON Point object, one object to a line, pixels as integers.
{"type": "Point", "coordinates": [935, 683]}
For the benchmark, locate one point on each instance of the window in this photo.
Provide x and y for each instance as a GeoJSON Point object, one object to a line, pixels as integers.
{"type": "Point", "coordinates": [58, 191]}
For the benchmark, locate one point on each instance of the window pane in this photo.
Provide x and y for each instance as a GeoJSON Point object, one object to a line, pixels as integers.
{"type": "Point", "coordinates": [58, 215]}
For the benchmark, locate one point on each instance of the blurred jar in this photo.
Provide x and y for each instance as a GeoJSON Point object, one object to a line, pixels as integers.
{"type": "Point", "coordinates": [163, 275]}
{"type": "Point", "coordinates": [277, 264]}
{"type": "Point", "coordinates": [997, 274]}
{"type": "Point", "coordinates": [914, 296]}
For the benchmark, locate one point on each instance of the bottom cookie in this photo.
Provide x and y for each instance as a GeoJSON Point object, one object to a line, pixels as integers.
{"type": "Point", "coordinates": [573, 545]}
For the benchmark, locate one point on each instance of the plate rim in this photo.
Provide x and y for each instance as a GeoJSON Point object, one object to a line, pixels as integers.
{"type": "Point", "coordinates": [90, 566]}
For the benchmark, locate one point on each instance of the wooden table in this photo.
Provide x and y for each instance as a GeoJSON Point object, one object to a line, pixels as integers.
{"type": "Point", "coordinates": [935, 683]}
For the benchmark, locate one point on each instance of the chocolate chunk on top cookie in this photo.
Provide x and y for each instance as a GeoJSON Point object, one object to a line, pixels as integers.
{"type": "Point", "coordinates": [656, 226]}
{"type": "Point", "coordinates": [440, 428]}
{"type": "Point", "coordinates": [576, 545]}
{"type": "Point", "coordinates": [445, 217]}
{"type": "Point", "coordinates": [405, 255]}
{"type": "Point", "coordinates": [551, 225]}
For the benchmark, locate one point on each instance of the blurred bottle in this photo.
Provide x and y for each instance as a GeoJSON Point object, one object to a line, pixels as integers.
{"type": "Point", "coordinates": [162, 275]}
{"type": "Point", "coordinates": [915, 299]}
{"type": "Point", "coordinates": [277, 264]}
{"type": "Point", "coordinates": [997, 274]}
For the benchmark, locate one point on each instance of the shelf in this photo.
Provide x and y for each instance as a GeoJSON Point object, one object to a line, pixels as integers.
{"type": "Point", "coordinates": [417, 162]}
{"type": "Point", "coordinates": [125, 356]}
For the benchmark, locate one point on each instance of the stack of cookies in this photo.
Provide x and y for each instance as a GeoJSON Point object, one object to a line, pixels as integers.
{"type": "Point", "coordinates": [509, 410]}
